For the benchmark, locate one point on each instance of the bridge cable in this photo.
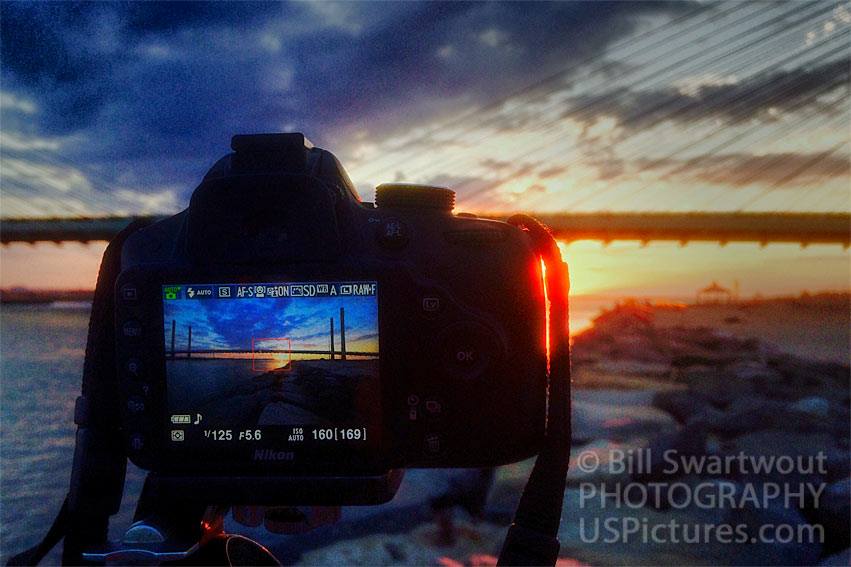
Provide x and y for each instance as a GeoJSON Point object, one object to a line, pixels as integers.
{"type": "Point", "coordinates": [659, 74]}
{"type": "Point", "coordinates": [666, 117]}
{"type": "Point", "coordinates": [554, 77]}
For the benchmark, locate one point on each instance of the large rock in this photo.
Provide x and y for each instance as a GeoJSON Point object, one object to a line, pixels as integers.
{"type": "Point", "coordinates": [841, 559]}
{"type": "Point", "coordinates": [719, 387]}
{"type": "Point", "coordinates": [636, 368]}
{"type": "Point", "coordinates": [710, 496]}
{"type": "Point", "coordinates": [749, 414]}
{"type": "Point", "coordinates": [754, 371]}
{"type": "Point", "coordinates": [760, 378]}
{"type": "Point", "coordinates": [799, 375]}
{"type": "Point", "coordinates": [814, 405]}
{"type": "Point", "coordinates": [592, 420]}
{"type": "Point", "coordinates": [615, 397]}
{"type": "Point", "coordinates": [418, 547]}
{"type": "Point", "coordinates": [600, 462]}
{"type": "Point", "coordinates": [806, 452]}
{"type": "Point", "coordinates": [683, 405]}
{"type": "Point", "coordinates": [838, 465]}
{"type": "Point", "coordinates": [690, 441]}
{"type": "Point", "coordinates": [833, 513]}
{"type": "Point", "coordinates": [769, 551]}
{"type": "Point", "coordinates": [738, 421]}
{"type": "Point", "coordinates": [603, 531]}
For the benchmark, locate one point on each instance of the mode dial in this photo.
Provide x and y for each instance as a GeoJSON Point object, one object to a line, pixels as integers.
{"type": "Point", "coordinates": [409, 195]}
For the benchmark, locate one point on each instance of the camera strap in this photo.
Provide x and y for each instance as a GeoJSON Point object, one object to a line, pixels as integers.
{"type": "Point", "coordinates": [533, 535]}
{"type": "Point", "coordinates": [97, 476]}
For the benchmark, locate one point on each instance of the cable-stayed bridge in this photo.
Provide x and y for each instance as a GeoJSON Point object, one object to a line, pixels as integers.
{"type": "Point", "coordinates": [763, 228]}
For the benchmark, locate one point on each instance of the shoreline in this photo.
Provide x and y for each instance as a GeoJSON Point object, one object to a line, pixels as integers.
{"type": "Point", "coordinates": [816, 327]}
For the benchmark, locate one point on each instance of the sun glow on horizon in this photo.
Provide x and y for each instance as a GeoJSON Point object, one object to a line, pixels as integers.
{"type": "Point", "coordinates": [626, 268]}
{"type": "Point", "coordinates": [619, 268]}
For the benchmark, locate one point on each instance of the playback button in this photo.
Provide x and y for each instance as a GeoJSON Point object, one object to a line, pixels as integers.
{"type": "Point", "coordinates": [129, 293]}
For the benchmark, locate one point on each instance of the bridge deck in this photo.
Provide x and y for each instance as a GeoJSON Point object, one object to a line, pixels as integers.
{"type": "Point", "coordinates": [804, 228]}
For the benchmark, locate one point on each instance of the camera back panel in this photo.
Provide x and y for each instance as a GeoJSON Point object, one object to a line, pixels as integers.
{"type": "Point", "coordinates": [443, 318]}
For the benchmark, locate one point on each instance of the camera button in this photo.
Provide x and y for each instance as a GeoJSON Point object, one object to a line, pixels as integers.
{"type": "Point", "coordinates": [434, 411]}
{"type": "Point", "coordinates": [135, 405]}
{"type": "Point", "coordinates": [393, 234]}
{"type": "Point", "coordinates": [132, 329]}
{"type": "Point", "coordinates": [136, 442]}
{"type": "Point", "coordinates": [433, 407]}
{"type": "Point", "coordinates": [433, 444]}
{"type": "Point", "coordinates": [142, 389]}
{"type": "Point", "coordinates": [129, 293]}
{"type": "Point", "coordinates": [468, 349]}
{"type": "Point", "coordinates": [467, 356]}
{"type": "Point", "coordinates": [133, 367]}
{"type": "Point", "coordinates": [432, 305]}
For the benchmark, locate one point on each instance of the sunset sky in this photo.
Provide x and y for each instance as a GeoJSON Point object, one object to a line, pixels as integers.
{"type": "Point", "coordinates": [216, 322]}
{"type": "Point", "coordinates": [119, 108]}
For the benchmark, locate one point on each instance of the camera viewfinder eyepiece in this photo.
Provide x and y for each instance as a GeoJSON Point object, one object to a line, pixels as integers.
{"type": "Point", "coordinates": [285, 153]}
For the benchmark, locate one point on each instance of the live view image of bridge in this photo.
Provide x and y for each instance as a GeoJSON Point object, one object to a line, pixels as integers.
{"type": "Point", "coordinates": [273, 361]}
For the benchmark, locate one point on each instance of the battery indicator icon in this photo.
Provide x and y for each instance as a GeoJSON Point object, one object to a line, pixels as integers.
{"type": "Point", "coordinates": [181, 418]}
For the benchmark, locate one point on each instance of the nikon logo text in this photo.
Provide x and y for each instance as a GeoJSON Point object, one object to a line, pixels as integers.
{"type": "Point", "coordinates": [272, 455]}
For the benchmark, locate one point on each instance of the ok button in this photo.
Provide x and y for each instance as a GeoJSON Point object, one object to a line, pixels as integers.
{"type": "Point", "coordinates": [466, 356]}
{"type": "Point", "coordinates": [469, 349]}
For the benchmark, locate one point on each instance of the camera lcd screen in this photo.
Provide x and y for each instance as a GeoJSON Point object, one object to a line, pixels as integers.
{"type": "Point", "coordinates": [272, 371]}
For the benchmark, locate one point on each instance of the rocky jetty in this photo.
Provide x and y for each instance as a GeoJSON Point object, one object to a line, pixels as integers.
{"type": "Point", "coordinates": [770, 421]}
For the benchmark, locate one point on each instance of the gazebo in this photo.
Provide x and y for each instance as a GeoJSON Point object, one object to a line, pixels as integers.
{"type": "Point", "coordinates": [714, 294]}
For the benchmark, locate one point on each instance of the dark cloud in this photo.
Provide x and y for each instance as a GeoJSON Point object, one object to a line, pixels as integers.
{"type": "Point", "coordinates": [551, 172]}
{"type": "Point", "coordinates": [495, 164]}
{"type": "Point", "coordinates": [153, 91]}
{"type": "Point", "coordinates": [762, 97]}
{"type": "Point", "coordinates": [740, 170]}
{"type": "Point", "coordinates": [530, 44]}
{"type": "Point", "coordinates": [533, 190]}
{"type": "Point", "coordinates": [468, 50]}
{"type": "Point", "coordinates": [155, 17]}
{"type": "Point", "coordinates": [608, 166]}
{"type": "Point", "coordinates": [478, 188]}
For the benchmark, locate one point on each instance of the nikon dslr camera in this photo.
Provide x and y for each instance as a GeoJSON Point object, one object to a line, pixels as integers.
{"type": "Point", "coordinates": [281, 327]}
{"type": "Point", "coordinates": [281, 342]}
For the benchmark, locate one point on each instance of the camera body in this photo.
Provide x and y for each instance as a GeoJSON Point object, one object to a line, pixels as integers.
{"type": "Point", "coordinates": [281, 327]}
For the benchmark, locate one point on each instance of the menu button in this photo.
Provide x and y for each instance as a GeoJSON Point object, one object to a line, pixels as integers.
{"type": "Point", "coordinates": [132, 329]}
